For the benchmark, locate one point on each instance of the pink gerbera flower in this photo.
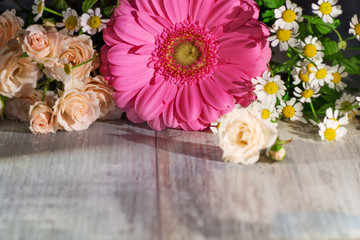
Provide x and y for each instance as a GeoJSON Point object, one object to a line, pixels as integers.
{"type": "Point", "coordinates": [182, 63]}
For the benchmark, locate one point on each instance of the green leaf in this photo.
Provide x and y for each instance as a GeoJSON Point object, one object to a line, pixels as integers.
{"type": "Point", "coordinates": [268, 13]}
{"type": "Point", "coordinates": [331, 47]}
{"type": "Point", "coordinates": [309, 28]}
{"type": "Point", "coordinates": [87, 4]}
{"type": "Point", "coordinates": [273, 3]}
{"type": "Point", "coordinates": [352, 65]}
{"type": "Point", "coordinates": [107, 11]}
{"type": "Point", "coordinates": [259, 2]}
{"type": "Point", "coordinates": [323, 108]}
{"type": "Point", "coordinates": [59, 5]}
{"type": "Point", "coordinates": [324, 28]}
{"type": "Point", "coordinates": [23, 55]}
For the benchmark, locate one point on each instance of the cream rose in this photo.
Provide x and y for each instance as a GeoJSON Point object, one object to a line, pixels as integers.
{"type": "Point", "coordinates": [43, 44]}
{"type": "Point", "coordinates": [41, 119]}
{"type": "Point", "coordinates": [17, 74]}
{"type": "Point", "coordinates": [103, 91]}
{"type": "Point", "coordinates": [76, 109]}
{"type": "Point", "coordinates": [80, 50]}
{"type": "Point", "coordinates": [18, 108]}
{"type": "Point", "coordinates": [10, 26]}
{"type": "Point", "coordinates": [243, 134]}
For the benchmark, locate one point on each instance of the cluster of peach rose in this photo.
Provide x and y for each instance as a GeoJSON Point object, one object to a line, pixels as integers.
{"type": "Point", "coordinates": [42, 53]}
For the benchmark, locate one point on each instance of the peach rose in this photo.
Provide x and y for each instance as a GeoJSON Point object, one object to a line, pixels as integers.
{"type": "Point", "coordinates": [41, 118]}
{"type": "Point", "coordinates": [18, 108]}
{"type": "Point", "coordinates": [17, 74]}
{"type": "Point", "coordinates": [43, 44]}
{"type": "Point", "coordinates": [76, 109]}
{"type": "Point", "coordinates": [10, 26]}
{"type": "Point", "coordinates": [103, 91]}
{"type": "Point", "coordinates": [80, 50]}
{"type": "Point", "coordinates": [243, 134]}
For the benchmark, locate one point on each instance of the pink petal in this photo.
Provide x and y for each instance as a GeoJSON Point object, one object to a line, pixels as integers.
{"type": "Point", "coordinates": [200, 10]}
{"type": "Point", "coordinates": [188, 102]}
{"type": "Point", "coordinates": [128, 71]}
{"type": "Point", "coordinates": [125, 100]}
{"type": "Point", "coordinates": [195, 125]}
{"type": "Point", "coordinates": [146, 49]}
{"type": "Point", "coordinates": [127, 83]}
{"type": "Point", "coordinates": [151, 23]}
{"type": "Point", "coordinates": [130, 31]}
{"type": "Point", "coordinates": [133, 117]}
{"type": "Point", "coordinates": [169, 116]}
{"type": "Point", "coordinates": [237, 50]}
{"type": "Point", "coordinates": [209, 114]}
{"type": "Point", "coordinates": [177, 10]}
{"type": "Point", "coordinates": [157, 124]}
{"type": "Point", "coordinates": [109, 35]}
{"type": "Point", "coordinates": [123, 9]}
{"type": "Point", "coordinates": [116, 57]}
{"type": "Point", "coordinates": [215, 95]}
{"type": "Point", "coordinates": [149, 103]}
{"type": "Point", "coordinates": [222, 12]}
{"type": "Point", "coordinates": [227, 76]}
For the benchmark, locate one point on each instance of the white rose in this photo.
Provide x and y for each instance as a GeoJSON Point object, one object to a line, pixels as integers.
{"type": "Point", "coordinates": [243, 134]}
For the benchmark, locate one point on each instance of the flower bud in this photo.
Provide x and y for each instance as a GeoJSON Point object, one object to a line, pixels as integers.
{"type": "Point", "coordinates": [278, 153]}
{"type": "Point", "coordinates": [342, 45]}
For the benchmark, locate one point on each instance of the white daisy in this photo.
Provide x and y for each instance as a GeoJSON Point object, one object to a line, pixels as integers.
{"type": "Point", "coordinates": [330, 131]}
{"type": "Point", "coordinates": [267, 110]}
{"type": "Point", "coordinates": [38, 9]}
{"type": "Point", "coordinates": [268, 88]}
{"type": "Point", "coordinates": [288, 16]}
{"type": "Point", "coordinates": [321, 74]}
{"type": "Point", "coordinates": [336, 82]}
{"type": "Point", "coordinates": [327, 10]}
{"type": "Point", "coordinates": [291, 110]}
{"type": "Point", "coordinates": [91, 22]}
{"type": "Point", "coordinates": [344, 105]}
{"type": "Point", "coordinates": [310, 91]}
{"type": "Point", "coordinates": [333, 116]}
{"type": "Point", "coordinates": [355, 27]}
{"type": "Point", "coordinates": [312, 48]}
{"type": "Point", "coordinates": [301, 72]}
{"type": "Point", "coordinates": [283, 37]}
{"type": "Point", "coordinates": [70, 22]}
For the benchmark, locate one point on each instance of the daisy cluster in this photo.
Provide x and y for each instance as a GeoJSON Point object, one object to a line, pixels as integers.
{"type": "Point", "coordinates": [310, 85]}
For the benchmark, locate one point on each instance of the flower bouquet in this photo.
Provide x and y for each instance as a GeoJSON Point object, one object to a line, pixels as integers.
{"type": "Point", "coordinates": [183, 64]}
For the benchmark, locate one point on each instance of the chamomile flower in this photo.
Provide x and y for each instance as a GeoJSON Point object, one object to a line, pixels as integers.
{"type": "Point", "coordinates": [283, 37]}
{"type": "Point", "coordinates": [91, 21]}
{"type": "Point", "coordinates": [321, 74]}
{"type": "Point", "coordinates": [355, 27]}
{"type": "Point", "coordinates": [329, 131]}
{"type": "Point", "coordinates": [312, 48]}
{"type": "Point", "coordinates": [358, 99]}
{"type": "Point", "coordinates": [336, 82]}
{"type": "Point", "coordinates": [334, 116]}
{"type": "Point", "coordinates": [310, 91]}
{"type": "Point", "coordinates": [268, 88]}
{"type": "Point", "coordinates": [288, 16]}
{"type": "Point", "coordinates": [38, 9]}
{"type": "Point", "coordinates": [301, 72]}
{"type": "Point", "coordinates": [268, 111]}
{"type": "Point", "coordinates": [345, 104]}
{"type": "Point", "coordinates": [291, 110]}
{"type": "Point", "coordinates": [70, 22]}
{"type": "Point", "coordinates": [327, 10]}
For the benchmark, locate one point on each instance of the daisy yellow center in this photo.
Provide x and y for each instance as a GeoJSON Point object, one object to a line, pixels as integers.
{"type": "Point", "coordinates": [265, 114]}
{"type": "Point", "coordinates": [308, 93]}
{"type": "Point", "coordinates": [283, 35]}
{"type": "Point", "coordinates": [330, 134]}
{"type": "Point", "coordinates": [310, 50]}
{"type": "Point", "coordinates": [71, 23]}
{"type": "Point", "coordinates": [40, 7]}
{"type": "Point", "coordinates": [337, 78]}
{"type": "Point", "coordinates": [309, 66]}
{"type": "Point", "coordinates": [67, 69]}
{"type": "Point", "coordinates": [325, 8]}
{"type": "Point", "coordinates": [345, 104]}
{"type": "Point", "coordinates": [271, 88]}
{"type": "Point", "coordinates": [94, 22]}
{"type": "Point", "coordinates": [186, 54]}
{"type": "Point", "coordinates": [321, 74]}
{"type": "Point", "coordinates": [288, 111]}
{"type": "Point", "coordinates": [303, 77]}
{"type": "Point", "coordinates": [288, 16]}
{"type": "Point", "coordinates": [357, 29]}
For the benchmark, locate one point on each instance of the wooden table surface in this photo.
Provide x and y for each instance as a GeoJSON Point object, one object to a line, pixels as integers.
{"type": "Point", "coordinates": [118, 180]}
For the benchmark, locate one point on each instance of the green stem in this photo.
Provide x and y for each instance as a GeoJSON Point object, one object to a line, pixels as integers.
{"type": "Point", "coordinates": [313, 112]}
{"type": "Point", "coordinates": [333, 29]}
{"type": "Point", "coordinates": [350, 38]}
{"type": "Point", "coordinates": [45, 90]}
{"type": "Point", "coordinates": [52, 11]}
{"type": "Point", "coordinates": [349, 108]}
{"type": "Point", "coordinates": [90, 60]}
{"type": "Point", "coordinates": [298, 52]}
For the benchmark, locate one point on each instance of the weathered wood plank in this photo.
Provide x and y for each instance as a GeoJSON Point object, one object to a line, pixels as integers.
{"type": "Point", "coordinates": [97, 184]}
{"type": "Point", "coordinates": [314, 194]}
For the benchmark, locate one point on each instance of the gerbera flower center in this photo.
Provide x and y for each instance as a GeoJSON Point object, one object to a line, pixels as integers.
{"type": "Point", "coordinates": [71, 23]}
{"type": "Point", "coordinates": [357, 29]}
{"type": "Point", "coordinates": [303, 77]}
{"type": "Point", "coordinates": [325, 8]}
{"type": "Point", "coordinates": [94, 22]}
{"type": "Point", "coordinates": [288, 111]}
{"type": "Point", "coordinates": [310, 50]}
{"type": "Point", "coordinates": [330, 134]}
{"type": "Point", "coordinates": [337, 78]}
{"type": "Point", "coordinates": [321, 73]}
{"type": "Point", "coordinates": [283, 35]}
{"type": "Point", "coordinates": [345, 104]}
{"type": "Point", "coordinates": [265, 114]}
{"type": "Point", "coordinates": [186, 53]}
{"type": "Point", "coordinates": [288, 16]}
{"type": "Point", "coordinates": [271, 88]}
{"type": "Point", "coordinates": [308, 93]}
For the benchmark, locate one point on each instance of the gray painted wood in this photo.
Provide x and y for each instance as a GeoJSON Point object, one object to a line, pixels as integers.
{"type": "Point", "coordinates": [118, 180]}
